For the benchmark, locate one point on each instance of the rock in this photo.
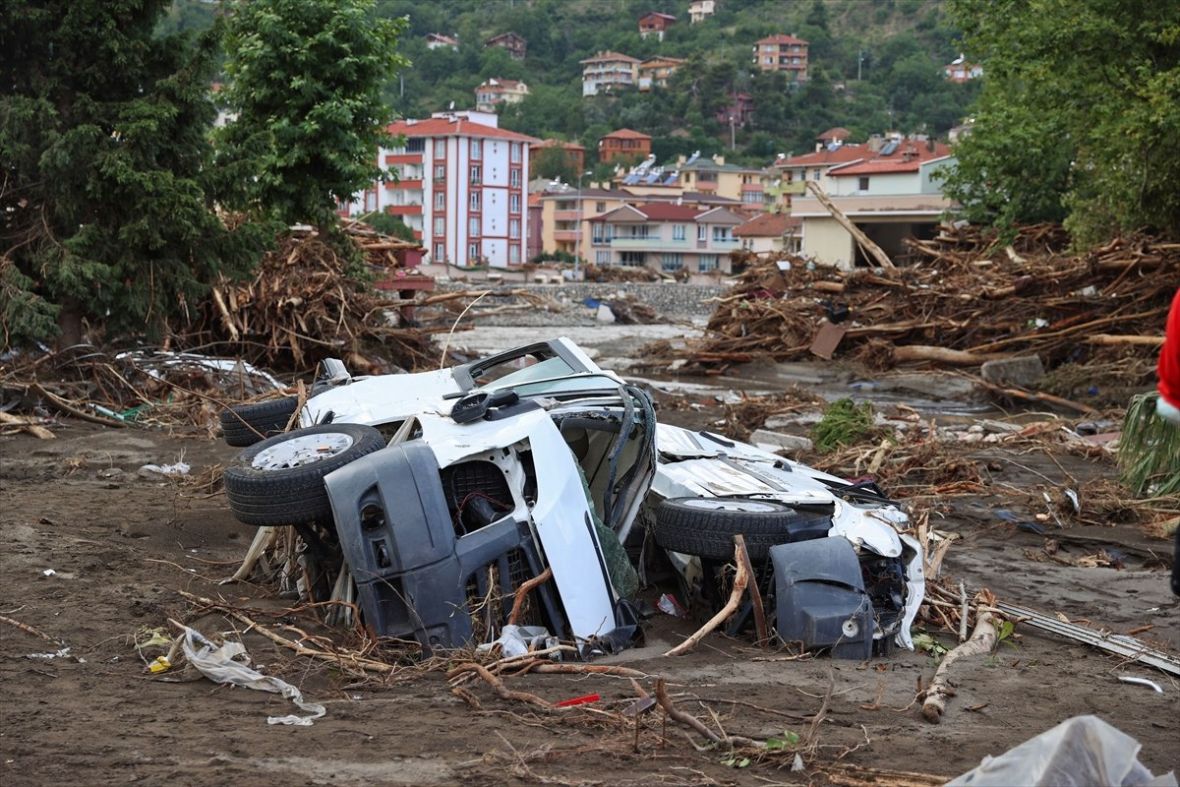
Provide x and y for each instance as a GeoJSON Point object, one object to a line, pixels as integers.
{"type": "Point", "coordinates": [1023, 371]}
{"type": "Point", "coordinates": [778, 441]}
{"type": "Point", "coordinates": [604, 315]}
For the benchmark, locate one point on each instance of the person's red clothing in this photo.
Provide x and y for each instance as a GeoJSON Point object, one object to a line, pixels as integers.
{"type": "Point", "coordinates": [1169, 365]}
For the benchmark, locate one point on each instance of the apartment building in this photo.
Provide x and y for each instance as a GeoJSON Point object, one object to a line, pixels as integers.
{"type": "Point", "coordinates": [700, 10]}
{"type": "Point", "coordinates": [656, 71]}
{"type": "Point", "coordinates": [608, 71]}
{"type": "Point", "coordinates": [696, 174]}
{"type": "Point", "coordinates": [494, 92]}
{"type": "Point", "coordinates": [625, 144]}
{"type": "Point", "coordinates": [460, 187]}
{"type": "Point", "coordinates": [782, 53]}
{"type": "Point", "coordinates": [566, 213]}
{"type": "Point", "coordinates": [666, 237]}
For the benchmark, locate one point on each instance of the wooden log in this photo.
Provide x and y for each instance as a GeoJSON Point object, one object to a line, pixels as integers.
{"type": "Point", "coordinates": [739, 542]}
{"type": "Point", "coordinates": [921, 352]}
{"type": "Point", "coordinates": [1111, 340]}
{"type": "Point", "coordinates": [870, 248]}
{"type": "Point", "coordinates": [740, 579]}
{"type": "Point", "coordinates": [523, 591]}
{"type": "Point", "coordinates": [983, 639]}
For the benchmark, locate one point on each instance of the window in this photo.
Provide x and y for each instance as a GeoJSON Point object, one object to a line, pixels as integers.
{"type": "Point", "coordinates": [440, 171]}
{"type": "Point", "coordinates": [473, 226]}
{"type": "Point", "coordinates": [472, 253]}
{"type": "Point", "coordinates": [721, 234]}
{"type": "Point", "coordinates": [514, 203]}
{"type": "Point", "coordinates": [677, 232]}
{"type": "Point", "coordinates": [597, 232]}
{"type": "Point", "coordinates": [671, 261]}
{"type": "Point", "coordinates": [473, 203]}
{"type": "Point", "coordinates": [815, 175]}
{"type": "Point", "coordinates": [440, 252]}
{"type": "Point", "coordinates": [416, 145]}
{"type": "Point", "coordinates": [440, 226]}
{"type": "Point", "coordinates": [862, 183]}
{"type": "Point", "coordinates": [514, 254]}
{"type": "Point", "coordinates": [476, 174]}
{"type": "Point", "coordinates": [440, 200]}
{"type": "Point", "coordinates": [515, 152]}
{"type": "Point", "coordinates": [752, 197]}
{"type": "Point", "coordinates": [476, 149]}
{"type": "Point", "coordinates": [600, 207]}
{"type": "Point", "coordinates": [440, 148]}
{"type": "Point", "coordinates": [514, 228]}
{"type": "Point", "coordinates": [514, 178]}
{"type": "Point", "coordinates": [602, 258]}
{"type": "Point", "coordinates": [702, 232]}
{"type": "Point", "coordinates": [707, 262]}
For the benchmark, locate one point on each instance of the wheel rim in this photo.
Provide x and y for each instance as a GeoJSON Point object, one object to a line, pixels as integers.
{"type": "Point", "coordinates": [301, 451]}
{"type": "Point", "coordinates": [722, 504]}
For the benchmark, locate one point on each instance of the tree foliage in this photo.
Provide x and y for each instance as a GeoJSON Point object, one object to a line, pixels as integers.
{"type": "Point", "coordinates": [107, 210]}
{"type": "Point", "coordinates": [1080, 115]}
{"type": "Point", "coordinates": [306, 80]}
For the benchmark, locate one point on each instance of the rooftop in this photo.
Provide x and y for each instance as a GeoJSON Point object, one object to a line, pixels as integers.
{"type": "Point", "coordinates": [781, 38]}
{"type": "Point", "coordinates": [768, 225]}
{"type": "Point", "coordinates": [609, 57]}
{"type": "Point", "coordinates": [908, 157]}
{"type": "Point", "coordinates": [829, 156]}
{"type": "Point", "coordinates": [454, 126]}
{"type": "Point", "coordinates": [626, 133]}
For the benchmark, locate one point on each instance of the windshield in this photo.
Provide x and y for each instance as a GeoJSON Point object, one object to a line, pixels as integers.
{"type": "Point", "coordinates": [527, 368]}
{"type": "Point", "coordinates": [532, 386]}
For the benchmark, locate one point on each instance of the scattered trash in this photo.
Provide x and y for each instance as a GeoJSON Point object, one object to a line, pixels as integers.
{"type": "Point", "coordinates": [64, 653]}
{"type": "Point", "coordinates": [1151, 684]}
{"type": "Point", "coordinates": [519, 640]}
{"type": "Point", "coordinates": [583, 700]}
{"type": "Point", "coordinates": [670, 606]}
{"type": "Point", "coordinates": [49, 572]}
{"type": "Point", "coordinates": [175, 470]}
{"type": "Point", "coordinates": [1081, 750]}
{"type": "Point", "coordinates": [218, 665]}
{"type": "Point", "coordinates": [160, 664]}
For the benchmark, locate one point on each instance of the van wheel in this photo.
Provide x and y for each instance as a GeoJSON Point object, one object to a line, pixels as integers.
{"type": "Point", "coordinates": [280, 481]}
{"type": "Point", "coordinates": [246, 424]}
{"type": "Point", "coordinates": [705, 526]}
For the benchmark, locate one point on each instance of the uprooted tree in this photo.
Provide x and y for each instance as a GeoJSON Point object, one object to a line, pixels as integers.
{"type": "Point", "coordinates": [106, 212]}
{"type": "Point", "coordinates": [305, 83]}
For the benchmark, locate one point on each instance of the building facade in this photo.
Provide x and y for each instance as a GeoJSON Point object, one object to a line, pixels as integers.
{"type": "Point", "coordinates": [514, 42]}
{"type": "Point", "coordinates": [624, 144]}
{"type": "Point", "coordinates": [608, 71]}
{"type": "Point", "coordinates": [700, 10]}
{"type": "Point", "coordinates": [784, 53]}
{"type": "Point", "coordinates": [461, 187]}
{"type": "Point", "coordinates": [665, 237]}
{"type": "Point", "coordinates": [655, 23]}
{"type": "Point", "coordinates": [494, 92]}
{"type": "Point", "coordinates": [656, 71]}
{"type": "Point", "coordinates": [438, 41]}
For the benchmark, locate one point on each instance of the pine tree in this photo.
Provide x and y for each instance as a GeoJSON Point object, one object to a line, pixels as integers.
{"type": "Point", "coordinates": [104, 143]}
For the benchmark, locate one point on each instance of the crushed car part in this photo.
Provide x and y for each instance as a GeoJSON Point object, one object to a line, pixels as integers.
{"type": "Point", "coordinates": [705, 526]}
{"type": "Point", "coordinates": [280, 481]}
{"type": "Point", "coordinates": [820, 598]}
{"type": "Point", "coordinates": [246, 424]}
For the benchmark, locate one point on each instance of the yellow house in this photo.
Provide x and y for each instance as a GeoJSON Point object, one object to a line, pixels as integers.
{"type": "Point", "coordinates": [656, 71]}
{"type": "Point", "coordinates": [565, 217]}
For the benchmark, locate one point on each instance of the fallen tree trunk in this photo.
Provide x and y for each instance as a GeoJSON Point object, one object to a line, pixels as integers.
{"type": "Point", "coordinates": [983, 639]}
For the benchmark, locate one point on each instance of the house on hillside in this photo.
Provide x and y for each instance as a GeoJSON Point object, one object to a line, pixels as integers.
{"type": "Point", "coordinates": [739, 110]}
{"type": "Point", "coordinates": [784, 53]}
{"type": "Point", "coordinates": [573, 155]}
{"type": "Point", "coordinates": [700, 10]}
{"type": "Point", "coordinates": [515, 44]}
{"type": "Point", "coordinates": [608, 71]}
{"type": "Point", "coordinates": [655, 71]}
{"type": "Point", "coordinates": [890, 196]}
{"type": "Point", "coordinates": [694, 177]}
{"type": "Point", "coordinates": [438, 41]}
{"type": "Point", "coordinates": [624, 144]}
{"type": "Point", "coordinates": [494, 92]}
{"type": "Point", "coordinates": [666, 237]}
{"type": "Point", "coordinates": [838, 135]}
{"type": "Point", "coordinates": [655, 23]}
{"type": "Point", "coordinates": [959, 70]}
{"type": "Point", "coordinates": [460, 187]}
{"type": "Point", "coordinates": [787, 176]}
{"type": "Point", "coordinates": [769, 233]}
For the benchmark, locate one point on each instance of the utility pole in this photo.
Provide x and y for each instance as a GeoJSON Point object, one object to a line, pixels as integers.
{"type": "Point", "coordinates": [732, 134]}
{"type": "Point", "coordinates": [578, 237]}
{"type": "Point", "coordinates": [860, 59]}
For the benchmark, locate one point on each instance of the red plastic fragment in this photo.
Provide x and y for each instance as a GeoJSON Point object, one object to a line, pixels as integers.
{"type": "Point", "coordinates": [584, 700]}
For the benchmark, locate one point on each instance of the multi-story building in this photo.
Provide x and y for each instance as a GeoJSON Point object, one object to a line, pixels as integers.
{"type": "Point", "coordinates": [769, 233]}
{"type": "Point", "coordinates": [665, 237]}
{"type": "Point", "coordinates": [700, 10]}
{"type": "Point", "coordinates": [892, 195]}
{"type": "Point", "coordinates": [460, 187]}
{"type": "Point", "coordinates": [607, 71]}
{"type": "Point", "coordinates": [438, 41]}
{"type": "Point", "coordinates": [514, 42]}
{"type": "Point", "coordinates": [566, 212]}
{"type": "Point", "coordinates": [655, 23]}
{"type": "Point", "coordinates": [573, 155]}
{"type": "Point", "coordinates": [743, 186]}
{"type": "Point", "coordinates": [782, 53]}
{"type": "Point", "coordinates": [655, 71]}
{"type": "Point", "coordinates": [494, 92]}
{"type": "Point", "coordinates": [787, 177]}
{"type": "Point", "coordinates": [624, 144]}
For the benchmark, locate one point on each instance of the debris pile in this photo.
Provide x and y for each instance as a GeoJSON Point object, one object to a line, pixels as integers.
{"type": "Point", "coordinates": [305, 303]}
{"type": "Point", "coordinates": [966, 301]}
{"type": "Point", "coordinates": [611, 274]}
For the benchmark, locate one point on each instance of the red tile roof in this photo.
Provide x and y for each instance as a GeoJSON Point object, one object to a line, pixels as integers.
{"type": "Point", "coordinates": [663, 211]}
{"type": "Point", "coordinates": [839, 132]}
{"type": "Point", "coordinates": [844, 154]}
{"type": "Point", "coordinates": [898, 161]}
{"type": "Point", "coordinates": [781, 39]}
{"type": "Point", "coordinates": [557, 143]}
{"type": "Point", "coordinates": [445, 127]}
{"type": "Point", "coordinates": [609, 57]}
{"type": "Point", "coordinates": [767, 225]}
{"type": "Point", "coordinates": [665, 17]}
{"type": "Point", "coordinates": [626, 133]}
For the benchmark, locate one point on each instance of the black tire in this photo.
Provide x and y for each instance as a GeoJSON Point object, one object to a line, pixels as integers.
{"type": "Point", "coordinates": [705, 526]}
{"type": "Point", "coordinates": [262, 490]}
{"type": "Point", "coordinates": [246, 424]}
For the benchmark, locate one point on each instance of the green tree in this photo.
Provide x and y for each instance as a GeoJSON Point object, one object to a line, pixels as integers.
{"type": "Point", "coordinates": [1079, 115]}
{"type": "Point", "coordinates": [106, 209]}
{"type": "Point", "coordinates": [306, 78]}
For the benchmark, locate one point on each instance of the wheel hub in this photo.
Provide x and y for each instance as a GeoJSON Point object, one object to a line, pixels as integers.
{"type": "Point", "coordinates": [301, 451]}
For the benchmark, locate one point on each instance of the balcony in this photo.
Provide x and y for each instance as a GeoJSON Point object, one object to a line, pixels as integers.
{"type": "Point", "coordinates": [404, 210]}
{"type": "Point", "coordinates": [566, 215]}
{"type": "Point", "coordinates": [728, 244]}
{"type": "Point", "coordinates": [403, 158]}
{"type": "Point", "coordinates": [569, 235]}
{"type": "Point", "coordinates": [648, 244]}
{"type": "Point", "coordinates": [405, 184]}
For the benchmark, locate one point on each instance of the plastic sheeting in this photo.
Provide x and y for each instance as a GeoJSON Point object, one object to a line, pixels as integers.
{"type": "Point", "coordinates": [1079, 752]}
{"type": "Point", "coordinates": [218, 665]}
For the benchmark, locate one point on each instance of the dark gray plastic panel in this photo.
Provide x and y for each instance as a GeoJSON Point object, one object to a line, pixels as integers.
{"type": "Point", "coordinates": [820, 597]}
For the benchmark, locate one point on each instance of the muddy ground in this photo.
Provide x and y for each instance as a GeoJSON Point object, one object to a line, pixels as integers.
{"type": "Point", "coordinates": [121, 546]}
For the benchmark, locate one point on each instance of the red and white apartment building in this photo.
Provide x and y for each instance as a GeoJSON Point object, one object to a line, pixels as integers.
{"type": "Point", "coordinates": [462, 187]}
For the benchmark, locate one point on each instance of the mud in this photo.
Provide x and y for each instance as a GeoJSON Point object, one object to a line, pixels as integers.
{"type": "Point", "coordinates": [121, 546]}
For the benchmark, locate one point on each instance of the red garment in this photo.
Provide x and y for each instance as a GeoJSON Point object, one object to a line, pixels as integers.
{"type": "Point", "coordinates": [1169, 366]}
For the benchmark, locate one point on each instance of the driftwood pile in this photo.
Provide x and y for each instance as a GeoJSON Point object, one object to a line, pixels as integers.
{"type": "Point", "coordinates": [306, 302]}
{"type": "Point", "coordinates": [968, 300]}
{"type": "Point", "coordinates": [612, 274]}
